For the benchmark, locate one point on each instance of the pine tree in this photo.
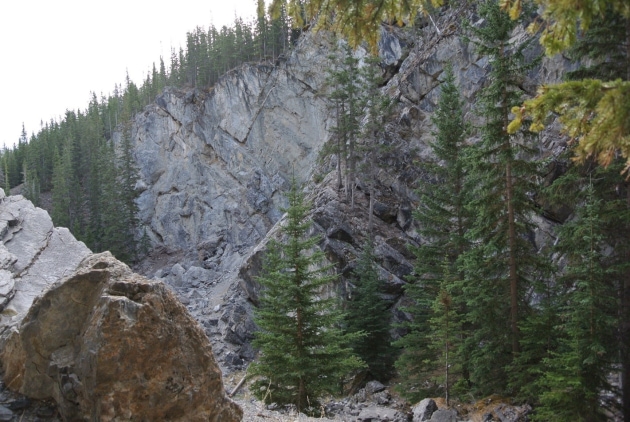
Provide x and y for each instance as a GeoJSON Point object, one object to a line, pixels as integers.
{"type": "Point", "coordinates": [446, 337]}
{"type": "Point", "coordinates": [595, 112]}
{"type": "Point", "coordinates": [356, 20]}
{"type": "Point", "coordinates": [63, 182]}
{"type": "Point", "coordinates": [368, 312]}
{"type": "Point", "coordinates": [503, 266]}
{"type": "Point", "coordinates": [345, 84]}
{"type": "Point", "coordinates": [576, 373]}
{"type": "Point", "coordinates": [303, 351]}
{"type": "Point", "coordinates": [443, 221]}
{"type": "Point", "coordinates": [603, 55]}
{"type": "Point", "coordinates": [377, 111]}
{"type": "Point", "coordinates": [31, 185]}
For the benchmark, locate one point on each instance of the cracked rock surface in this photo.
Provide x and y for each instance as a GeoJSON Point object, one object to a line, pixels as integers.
{"type": "Point", "coordinates": [33, 254]}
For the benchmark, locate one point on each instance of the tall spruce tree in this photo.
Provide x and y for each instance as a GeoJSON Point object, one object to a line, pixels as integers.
{"type": "Point", "coordinates": [303, 351]}
{"type": "Point", "coordinates": [367, 312]}
{"type": "Point", "coordinates": [503, 267]}
{"type": "Point", "coordinates": [576, 374]}
{"type": "Point", "coordinates": [602, 54]}
{"type": "Point", "coordinates": [443, 221]}
{"type": "Point", "coordinates": [377, 111]}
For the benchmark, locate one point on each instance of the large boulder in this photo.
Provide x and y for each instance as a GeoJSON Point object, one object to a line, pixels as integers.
{"type": "Point", "coordinates": [107, 344]}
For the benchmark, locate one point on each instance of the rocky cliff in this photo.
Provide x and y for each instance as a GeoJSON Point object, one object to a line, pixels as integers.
{"type": "Point", "coordinates": [213, 166]}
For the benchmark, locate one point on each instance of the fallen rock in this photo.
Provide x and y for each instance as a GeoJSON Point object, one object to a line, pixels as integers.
{"type": "Point", "coordinates": [107, 344]}
{"type": "Point", "coordinates": [424, 410]}
{"type": "Point", "coordinates": [380, 414]}
{"type": "Point", "coordinates": [374, 387]}
{"type": "Point", "coordinates": [444, 415]}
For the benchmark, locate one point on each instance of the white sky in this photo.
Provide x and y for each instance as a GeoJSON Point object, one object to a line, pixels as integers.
{"type": "Point", "coordinates": [55, 52]}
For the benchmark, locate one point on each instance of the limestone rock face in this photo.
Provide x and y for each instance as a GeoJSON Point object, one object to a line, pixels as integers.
{"type": "Point", "coordinates": [107, 344]}
{"type": "Point", "coordinates": [213, 165]}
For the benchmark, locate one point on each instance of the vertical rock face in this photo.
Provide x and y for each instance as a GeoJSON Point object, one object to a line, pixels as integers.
{"type": "Point", "coordinates": [108, 345]}
{"type": "Point", "coordinates": [213, 163]}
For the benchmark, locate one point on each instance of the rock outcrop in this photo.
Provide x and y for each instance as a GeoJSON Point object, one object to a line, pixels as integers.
{"type": "Point", "coordinates": [33, 254]}
{"type": "Point", "coordinates": [213, 164]}
{"type": "Point", "coordinates": [108, 344]}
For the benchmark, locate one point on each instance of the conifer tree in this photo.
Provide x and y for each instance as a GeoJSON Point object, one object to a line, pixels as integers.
{"type": "Point", "coordinates": [367, 312]}
{"type": "Point", "coordinates": [377, 111]}
{"type": "Point", "coordinates": [303, 351]}
{"type": "Point", "coordinates": [503, 265]}
{"type": "Point", "coordinates": [576, 373]}
{"type": "Point", "coordinates": [63, 183]}
{"type": "Point", "coordinates": [345, 83]}
{"type": "Point", "coordinates": [443, 221]}
{"type": "Point", "coordinates": [31, 185]}
{"type": "Point", "coordinates": [446, 332]}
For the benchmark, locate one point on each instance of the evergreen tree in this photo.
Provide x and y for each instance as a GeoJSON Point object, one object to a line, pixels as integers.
{"type": "Point", "coordinates": [128, 209]}
{"type": "Point", "coordinates": [503, 266]}
{"type": "Point", "coordinates": [303, 351]}
{"type": "Point", "coordinates": [595, 112]}
{"type": "Point", "coordinates": [367, 312]}
{"type": "Point", "coordinates": [377, 111]}
{"type": "Point", "coordinates": [355, 20]}
{"type": "Point", "coordinates": [576, 373]}
{"type": "Point", "coordinates": [345, 83]}
{"type": "Point", "coordinates": [31, 185]}
{"type": "Point", "coordinates": [446, 338]}
{"type": "Point", "coordinates": [63, 211]}
{"type": "Point", "coordinates": [443, 221]}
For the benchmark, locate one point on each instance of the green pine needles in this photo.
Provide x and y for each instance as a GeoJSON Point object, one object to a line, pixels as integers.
{"type": "Point", "coordinates": [304, 353]}
{"type": "Point", "coordinates": [443, 220]}
{"type": "Point", "coordinates": [369, 313]}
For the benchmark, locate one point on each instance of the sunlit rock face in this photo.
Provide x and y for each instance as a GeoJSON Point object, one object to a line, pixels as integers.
{"type": "Point", "coordinates": [107, 344]}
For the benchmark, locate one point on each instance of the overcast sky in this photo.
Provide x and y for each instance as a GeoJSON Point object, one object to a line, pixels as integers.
{"type": "Point", "coordinates": [55, 52]}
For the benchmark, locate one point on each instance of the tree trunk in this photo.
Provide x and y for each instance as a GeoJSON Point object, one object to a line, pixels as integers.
{"type": "Point", "coordinates": [625, 293]}
{"type": "Point", "coordinates": [512, 262]}
{"type": "Point", "coordinates": [625, 331]}
{"type": "Point", "coordinates": [339, 181]}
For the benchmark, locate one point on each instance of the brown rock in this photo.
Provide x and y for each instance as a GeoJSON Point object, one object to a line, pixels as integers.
{"type": "Point", "coordinates": [107, 344]}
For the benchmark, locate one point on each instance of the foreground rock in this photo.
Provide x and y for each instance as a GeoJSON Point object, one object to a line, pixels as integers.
{"type": "Point", "coordinates": [107, 344]}
{"type": "Point", "coordinates": [33, 254]}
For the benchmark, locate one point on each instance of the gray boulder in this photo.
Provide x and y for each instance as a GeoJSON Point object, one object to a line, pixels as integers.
{"type": "Point", "coordinates": [380, 414]}
{"type": "Point", "coordinates": [424, 410]}
{"type": "Point", "coordinates": [444, 415]}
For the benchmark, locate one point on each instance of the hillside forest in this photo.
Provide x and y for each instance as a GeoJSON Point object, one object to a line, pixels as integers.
{"type": "Point", "coordinates": [493, 310]}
